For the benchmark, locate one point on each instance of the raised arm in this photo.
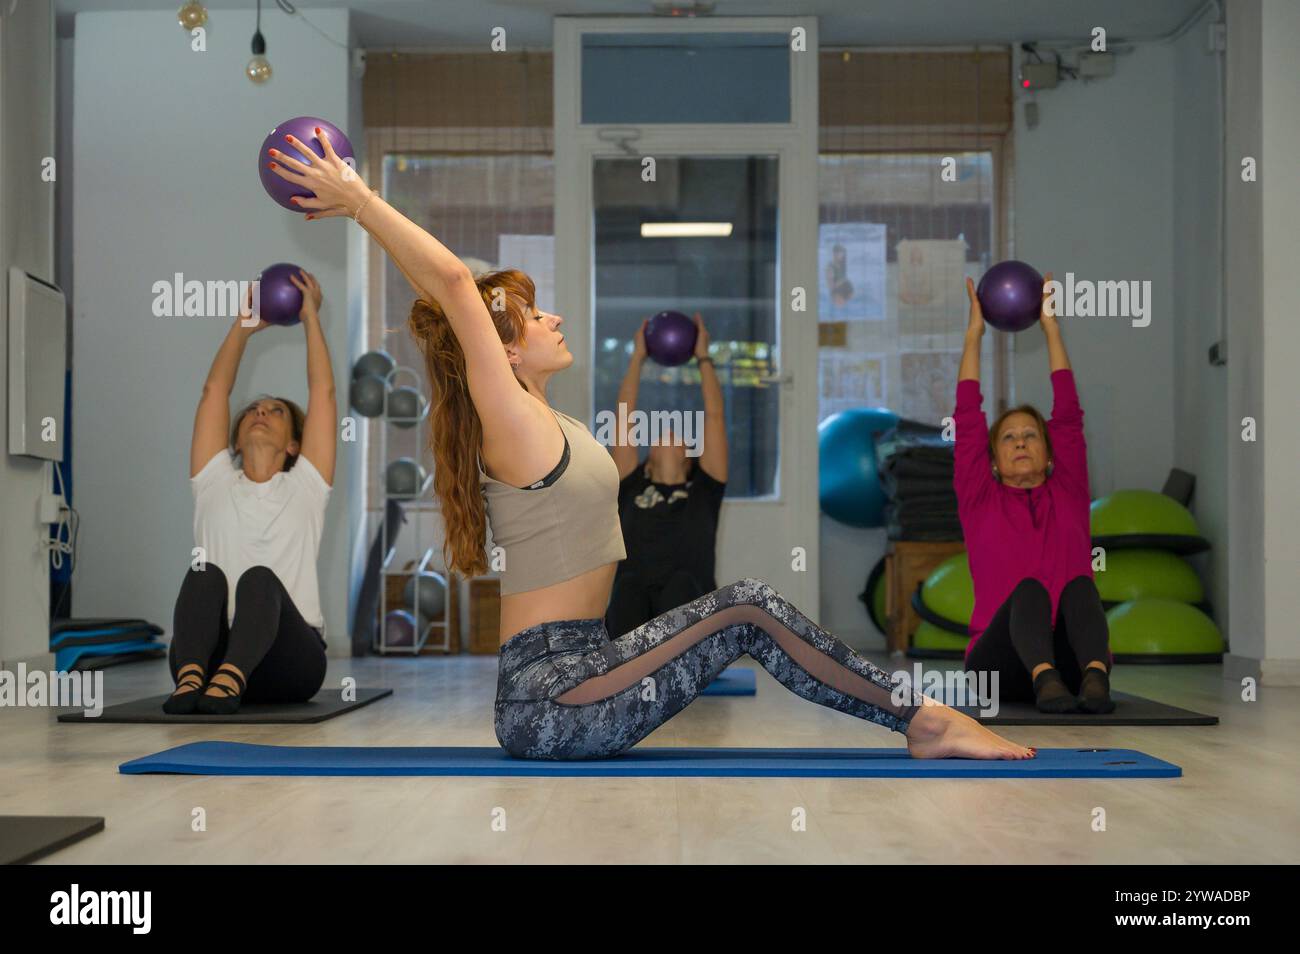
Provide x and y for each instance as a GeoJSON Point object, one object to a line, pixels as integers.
{"type": "Point", "coordinates": [212, 419]}
{"type": "Point", "coordinates": [506, 410]}
{"type": "Point", "coordinates": [1057, 358]}
{"type": "Point", "coordinates": [1069, 449]}
{"type": "Point", "coordinates": [713, 460]}
{"type": "Point", "coordinates": [970, 355]}
{"type": "Point", "coordinates": [972, 475]}
{"type": "Point", "coordinates": [319, 432]}
{"type": "Point", "coordinates": [425, 262]}
{"type": "Point", "coordinates": [624, 454]}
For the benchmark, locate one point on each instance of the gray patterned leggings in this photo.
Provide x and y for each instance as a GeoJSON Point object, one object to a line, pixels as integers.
{"type": "Point", "coordinates": [565, 690]}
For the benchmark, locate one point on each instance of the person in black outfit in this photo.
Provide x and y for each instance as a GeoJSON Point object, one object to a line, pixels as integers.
{"type": "Point", "coordinates": [668, 504]}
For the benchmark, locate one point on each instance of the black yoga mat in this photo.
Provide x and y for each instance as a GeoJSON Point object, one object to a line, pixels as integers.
{"type": "Point", "coordinates": [28, 838]}
{"type": "Point", "coordinates": [1129, 710]}
{"type": "Point", "coordinates": [326, 704]}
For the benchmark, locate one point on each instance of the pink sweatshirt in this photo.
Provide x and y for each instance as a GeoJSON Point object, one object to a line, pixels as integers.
{"type": "Point", "coordinates": [1043, 532]}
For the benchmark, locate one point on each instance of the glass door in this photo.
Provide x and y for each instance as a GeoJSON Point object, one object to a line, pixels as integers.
{"type": "Point", "coordinates": [670, 197]}
{"type": "Point", "coordinates": [703, 237]}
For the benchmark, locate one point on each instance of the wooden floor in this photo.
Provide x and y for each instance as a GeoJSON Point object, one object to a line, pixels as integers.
{"type": "Point", "coordinates": [1238, 800]}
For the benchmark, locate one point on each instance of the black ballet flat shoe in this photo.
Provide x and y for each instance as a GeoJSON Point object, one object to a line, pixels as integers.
{"type": "Point", "coordinates": [1094, 692]}
{"type": "Point", "coordinates": [184, 703]}
{"type": "Point", "coordinates": [1051, 694]}
{"type": "Point", "coordinates": [227, 704]}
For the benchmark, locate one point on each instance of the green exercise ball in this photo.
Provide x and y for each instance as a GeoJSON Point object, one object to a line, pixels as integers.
{"type": "Point", "coordinates": [931, 638]}
{"type": "Point", "coordinates": [1140, 574]}
{"type": "Point", "coordinates": [949, 590]}
{"type": "Point", "coordinates": [1145, 519]}
{"type": "Point", "coordinates": [1156, 627]}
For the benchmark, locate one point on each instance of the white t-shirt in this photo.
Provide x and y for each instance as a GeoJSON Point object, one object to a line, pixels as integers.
{"type": "Point", "coordinates": [240, 524]}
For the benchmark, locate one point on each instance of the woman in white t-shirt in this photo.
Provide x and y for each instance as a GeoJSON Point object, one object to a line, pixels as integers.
{"type": "Point", "coordinates": [248, 622]}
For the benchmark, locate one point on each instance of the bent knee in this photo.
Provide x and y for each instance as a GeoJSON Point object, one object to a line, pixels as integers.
{"type": "Point", "coordinates": [259, 576]}
{"type": "Point", "coordinates": [1080, 584]}
{"type": "Point", "coordinates": [209, 574]}
{"type": "Point", "coordinates": [753, 590]}
{"type": "Point", "coordinates": [1031, 587]}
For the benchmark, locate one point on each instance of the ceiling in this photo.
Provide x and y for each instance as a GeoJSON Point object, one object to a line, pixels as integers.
{"type": "Point", "coordinates": [451, 23]}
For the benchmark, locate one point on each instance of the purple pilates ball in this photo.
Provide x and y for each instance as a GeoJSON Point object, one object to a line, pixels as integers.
{"type": "Point", "coordinates": [402, 628]}
{"type": "Point", "coordinates": [1011, 295]}
{"type": "Point", "coordinates": [302, 128]}
{"type": "Point", "coordinates": [280, 303]}
{"type": "Point", "coordinates": [670, 338]}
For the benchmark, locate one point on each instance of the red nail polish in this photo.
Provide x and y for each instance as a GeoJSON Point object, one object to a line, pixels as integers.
{"type": "Point", "coordinates": [272, 165]}
{"type": "Point", "coordinates": [317, 129]}
{"type": "Point", "coordinates": [272, 152]}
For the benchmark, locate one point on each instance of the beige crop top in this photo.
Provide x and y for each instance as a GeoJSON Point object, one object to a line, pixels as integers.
{"type": "Point", "coordinates": [563, 525]}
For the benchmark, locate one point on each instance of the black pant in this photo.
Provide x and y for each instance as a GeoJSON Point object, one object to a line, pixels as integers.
{"type": "Point", "coordinates": [1021, 636]}
{"type": "Point", "coordinates": [281, 657]}
{"type": "Point", "coordinates": [635, 601]}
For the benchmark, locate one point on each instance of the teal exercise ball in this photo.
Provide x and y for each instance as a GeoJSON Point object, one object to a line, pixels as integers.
{"type": "Point", "coordinates": [848, 484]}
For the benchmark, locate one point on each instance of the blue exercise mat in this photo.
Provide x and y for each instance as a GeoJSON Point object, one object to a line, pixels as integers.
{"type": "Point", "coordinates": [241, 758]}
{"type": "Point", "coordinates": [736, 681]}
{"type": "Point", "coordinates": [66, 658]}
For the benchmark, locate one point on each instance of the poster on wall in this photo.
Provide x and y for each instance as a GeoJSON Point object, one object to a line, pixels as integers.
{"type": "Point", "coordinates": [848, 380]}
{"type": "Point", "coordinates": [535, 255]}
{"type": "Point", "coordinates": [851, 271]}
{"type": "Point", "coordinates": [931, 288]}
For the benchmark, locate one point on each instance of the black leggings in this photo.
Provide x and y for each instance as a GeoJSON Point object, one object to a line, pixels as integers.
{"type": "Point", "coordinates": [1021, 636]}
{"type": "Point", "coordinates": [635, 601]}
{"type": "Point", "coordinates": [281, 657]}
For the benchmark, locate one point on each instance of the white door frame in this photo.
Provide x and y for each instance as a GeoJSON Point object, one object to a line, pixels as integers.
{"type": "Point", "coordinates": [757, 537]}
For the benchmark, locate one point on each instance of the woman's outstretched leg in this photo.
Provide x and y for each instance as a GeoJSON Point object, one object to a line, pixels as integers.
{"type": "Point", "coordinates": [594, 703]}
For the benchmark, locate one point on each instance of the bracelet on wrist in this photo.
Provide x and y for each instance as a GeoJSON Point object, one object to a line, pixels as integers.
{"type": "Point", "coordinates": [356, 216]}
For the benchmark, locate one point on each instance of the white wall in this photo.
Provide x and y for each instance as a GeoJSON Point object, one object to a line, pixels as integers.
{"type": "Point", "coordinates": [1095, 196]}
{"type": "Point", "coordinates": [27, 83]}
{"type": "Point", "coordinates": [1280, 245]}
{"type": "Point", "coordinates": [165, 144]}
{"type": "Point", "coordinates": [1263, 285]}
{"type": "Point", "coordinates": [1244, 231]}
{"type": "Point", "coordinates": [1200, 390]}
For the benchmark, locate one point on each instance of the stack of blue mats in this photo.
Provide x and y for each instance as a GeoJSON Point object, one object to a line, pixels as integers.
{"type": "Point", "coordinates": [80, 644]}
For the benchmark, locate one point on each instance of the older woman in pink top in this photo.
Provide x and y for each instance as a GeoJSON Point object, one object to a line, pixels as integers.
{"type": "Point", "coordinates": [1022, 495]}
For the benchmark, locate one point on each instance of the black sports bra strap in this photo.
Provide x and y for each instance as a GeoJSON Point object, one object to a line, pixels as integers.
{"type": "Point", "coordinates": [559, 469]}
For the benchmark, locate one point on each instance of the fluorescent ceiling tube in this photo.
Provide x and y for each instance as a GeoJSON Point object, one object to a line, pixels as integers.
{"type": "Point", "coordinates": [685, 229]}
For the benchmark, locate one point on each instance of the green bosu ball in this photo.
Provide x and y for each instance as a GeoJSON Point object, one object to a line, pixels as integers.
{"type": "Point", "coordinates": [1145, 519]}
{"type": "Point", "coordinates": [949, 590]}
{"type": "Point", "coordinates": [931, 638]}
{"type": "Point", "coordinates": [1140, 574]}
{"type": "Point", "coordinates": [1156, 627]}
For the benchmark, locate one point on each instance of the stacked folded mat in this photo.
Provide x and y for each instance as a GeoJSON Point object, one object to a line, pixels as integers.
{"type": "Point", "coordinates": [81, 644]}
{"type": "Point", "coordinates": [915, 466]}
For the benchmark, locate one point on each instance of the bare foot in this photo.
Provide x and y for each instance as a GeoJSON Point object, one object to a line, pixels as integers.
{"type": "Point", "coordinates": [938, 732]}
